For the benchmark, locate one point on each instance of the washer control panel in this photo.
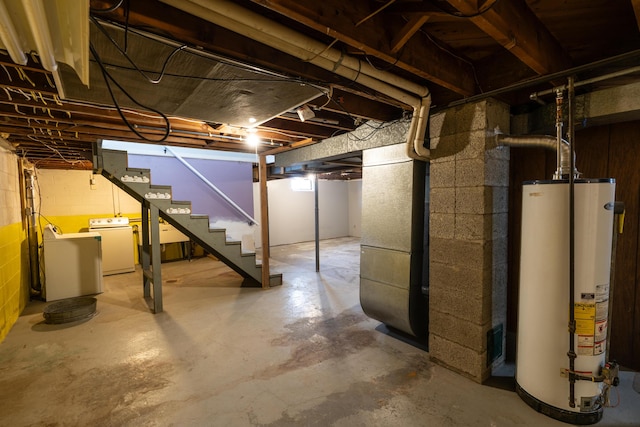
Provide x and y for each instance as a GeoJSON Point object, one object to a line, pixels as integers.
{"type": "Point", "coordinates": [122, 221]}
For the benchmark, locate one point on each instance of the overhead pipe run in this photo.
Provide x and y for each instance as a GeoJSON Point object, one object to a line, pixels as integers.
{"type": "Point", "coordinates": [240, 20]}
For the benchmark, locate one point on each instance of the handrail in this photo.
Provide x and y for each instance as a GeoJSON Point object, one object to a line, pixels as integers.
{"type": "Point", "coordinates": [211, 185]}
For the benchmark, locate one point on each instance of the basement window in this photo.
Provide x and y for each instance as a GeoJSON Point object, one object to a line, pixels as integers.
{"type": "Point", "coordinates": [302, 184]}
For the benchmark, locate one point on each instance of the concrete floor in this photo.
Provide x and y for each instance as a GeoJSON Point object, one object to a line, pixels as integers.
{"type": "Point", "coordinates": [302, 354]}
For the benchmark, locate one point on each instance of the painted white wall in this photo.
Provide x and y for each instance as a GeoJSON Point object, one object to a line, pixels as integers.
{"type": "Point", "coordinates": [355, 207]}
{"type": "Point", "coordinates": [70, 192]}
{"type": "Point", "coordinates": [292, 213]}
{"type": "Point", "coordinates": [9, 189]}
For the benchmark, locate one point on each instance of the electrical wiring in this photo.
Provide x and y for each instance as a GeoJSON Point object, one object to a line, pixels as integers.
{"type": "Point", "coordinates": [437, 44]}
{"type": "Point", "coordinates": [227, 61]}
{"type": "Point", "coordinates": [472, 15]}
{"type": "Point", "coordinates": [56, 151]}
{"type": "Point", "coordinates": [124, 53]}
{"type": "Point", "coordinates": [226, 79]}
{"type": "Point", "coordinates": [373, 130]}
{"type": "Point", "coordinates": [389, 67]}
{"type": "Point", "coordinates": [107, 77]}
{"type": "Point", "coordinates": [108, 9]}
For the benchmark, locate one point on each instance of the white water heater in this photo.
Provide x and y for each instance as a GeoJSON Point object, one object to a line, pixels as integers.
{"type": "Point", "coordinates": [542, 364]}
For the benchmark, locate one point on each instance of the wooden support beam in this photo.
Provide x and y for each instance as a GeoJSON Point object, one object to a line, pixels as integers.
{"type": "Point", "coordinates": [514, 25]}
{"type": "Point", "coordinates": [264, 222]}
{"type": "Point", "coordinates": [296, 144]}
{"type": "Point", "coordinates": [636, 11]}
{"type": "Point", "coordinates": [412, 27]}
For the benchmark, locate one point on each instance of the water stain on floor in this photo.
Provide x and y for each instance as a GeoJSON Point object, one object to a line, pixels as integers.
{"type": "Point", "coordinates": [317, 339]}
{"type": "Point", "coordinates": [363, 396]}
{"type": "Point", "coordinates": [108, 395]}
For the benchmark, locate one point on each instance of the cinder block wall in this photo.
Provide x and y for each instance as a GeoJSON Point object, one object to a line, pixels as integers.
{"type": "Point", "coordinates": [468, 236]}
{"type": "Point", "coordinates": [14, 254]}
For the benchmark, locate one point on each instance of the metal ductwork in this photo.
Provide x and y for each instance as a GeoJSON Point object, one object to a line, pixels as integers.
{"type": "Point", "coordinates": [542, 141]}
{"type": "Point", "coordinates": [238, 19]}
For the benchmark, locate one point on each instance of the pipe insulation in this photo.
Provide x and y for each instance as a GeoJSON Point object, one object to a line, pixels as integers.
{"type": "Point", "coordinates": [240, 20]}
{"type": "Point", "coordinates": [543, 141]}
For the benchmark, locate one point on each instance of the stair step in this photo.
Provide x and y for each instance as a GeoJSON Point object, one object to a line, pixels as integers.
{"type": "Point", "coordinates": [138, 170]}
{"type": "Point", "coordinates": [158, 192]}
{"type": "Point", "coordinates": [135, 176]}
{"type": "Point", "coordinates": [159, 187]}
{"type": "Point", "coordinates": [179, 209]}
{"type": "Point", "coordinates": [179, 213]}
{"type": "Point", "coordinates": [275, 279]}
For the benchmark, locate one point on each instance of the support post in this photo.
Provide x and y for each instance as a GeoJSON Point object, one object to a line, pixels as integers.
{"type": "Point", "coordinates": [317, 222]}
{"type": "Point", "coordinates": [155, 259]}
{"type": "Point", "coordinates": [150, 257]}
{"type": "Point", "coordinates": [264, 221]}
{"type": "Point", "coordinates": [145, 255]}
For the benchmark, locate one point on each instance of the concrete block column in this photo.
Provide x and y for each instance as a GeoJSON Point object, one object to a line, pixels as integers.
{"type": "Point", "coordinates": [468, 237]}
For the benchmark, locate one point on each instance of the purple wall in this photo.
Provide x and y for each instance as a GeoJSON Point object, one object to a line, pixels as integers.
{"type": "Point", "coordinates": [235, 179]}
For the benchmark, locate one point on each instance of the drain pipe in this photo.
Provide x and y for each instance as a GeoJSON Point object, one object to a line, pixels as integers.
{"type": "Point", "coordinates": [229, 15]}
{"type": "Point", "coordinates": [415, 139]}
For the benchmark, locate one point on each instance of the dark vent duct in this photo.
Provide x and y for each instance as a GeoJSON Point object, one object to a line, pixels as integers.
{"type": "Point", "coordinates": [195, 84]}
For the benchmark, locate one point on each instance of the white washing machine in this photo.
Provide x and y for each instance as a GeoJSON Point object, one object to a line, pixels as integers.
{"type": "Point", "coordinates": [72, 264]}
{"type": "Point", "coordinates": [117, 244]}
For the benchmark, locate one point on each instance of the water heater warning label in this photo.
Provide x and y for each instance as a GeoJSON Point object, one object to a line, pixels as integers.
{"type": "Point", "coordinates": [585, 316]}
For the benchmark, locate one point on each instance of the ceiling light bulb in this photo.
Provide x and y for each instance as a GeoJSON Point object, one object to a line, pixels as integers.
{"type": "Point", "coordinates": [253, 139]}
{"type": "Point", "coordinates": [252, 119]}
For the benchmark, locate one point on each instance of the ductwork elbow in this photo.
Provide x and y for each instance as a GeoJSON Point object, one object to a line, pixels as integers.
{"type": "Point", "coordinates": [543, 141]}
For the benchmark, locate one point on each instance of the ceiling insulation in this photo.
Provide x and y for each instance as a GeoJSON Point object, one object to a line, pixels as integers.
{"type": "Point", "coordinates": [193, 84]}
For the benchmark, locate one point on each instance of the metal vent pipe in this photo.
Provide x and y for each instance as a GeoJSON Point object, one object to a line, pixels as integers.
{"type": "Point", "coordinates": [543, 141]}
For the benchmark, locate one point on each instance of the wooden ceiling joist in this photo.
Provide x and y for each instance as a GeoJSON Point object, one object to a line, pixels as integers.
{"type": "Point", "coordinates": [636, 10]}
{"type": "Point", "coordinates": [517, 29]}
{"type": "Point", "coordinates": [420, 55]}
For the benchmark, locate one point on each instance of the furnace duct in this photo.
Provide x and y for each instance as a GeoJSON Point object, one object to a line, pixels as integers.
{"type": "Point", "coordinates": [238, 19]}
{"type": "Point", "coordinates": [542, 141]}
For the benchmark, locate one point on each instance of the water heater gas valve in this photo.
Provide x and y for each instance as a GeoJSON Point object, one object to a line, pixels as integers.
{"type": "Point", "coordinates": [610, 372]}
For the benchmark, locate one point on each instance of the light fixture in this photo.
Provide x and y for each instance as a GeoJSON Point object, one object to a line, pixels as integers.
{"type": "Point", "coordinates": [252, 137]}
{"type": "Point", "coordinates": [305, 113]}
{"type": "Point", "coordinates": [252, 119]}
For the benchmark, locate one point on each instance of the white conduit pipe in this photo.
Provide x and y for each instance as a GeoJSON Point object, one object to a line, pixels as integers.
{"type": "Point", "coordinates": [235, 18]}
